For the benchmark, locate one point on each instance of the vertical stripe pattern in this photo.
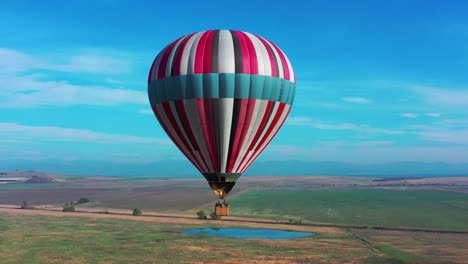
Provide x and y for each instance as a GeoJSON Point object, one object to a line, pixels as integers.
{"type": "Point", "coordinates": [222, 51]}
{"type": "Point", "coordinates": [221, 96]}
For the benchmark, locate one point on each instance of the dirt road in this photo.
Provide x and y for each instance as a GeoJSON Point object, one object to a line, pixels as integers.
{"type": "Point", "coordinates": [168, 219]}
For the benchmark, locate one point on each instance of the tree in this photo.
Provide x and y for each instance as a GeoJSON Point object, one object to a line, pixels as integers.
{"type": "Point", "coordinates": [201, 215]}
{"type": "Point", "coordinates": [25, 205]}
{"type": "Point", "coordinates": [83, 200]}
{"type": "Point", "coordinates": [136, 212]}
{"type": "Point", "coordinates": [214, 216]}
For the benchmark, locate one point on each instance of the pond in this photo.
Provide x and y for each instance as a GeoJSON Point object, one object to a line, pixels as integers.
{"type": "Point", "coordinates": [248, 233]}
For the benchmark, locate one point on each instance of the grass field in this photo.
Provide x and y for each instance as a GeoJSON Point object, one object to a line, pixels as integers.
{"type": "Point", "coordinates": [40, 239]}
{"type": "Point", "coordinates": [427, 209]}
{"type": "Point", "coordinates": [44, 239]}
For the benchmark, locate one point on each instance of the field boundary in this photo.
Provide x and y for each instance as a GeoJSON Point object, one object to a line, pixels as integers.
{"type": "Point", "coordinates": [233, 219]}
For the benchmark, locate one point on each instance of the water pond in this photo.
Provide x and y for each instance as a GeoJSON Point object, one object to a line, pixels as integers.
{"type": "Point", "coordinates": [245, 233]}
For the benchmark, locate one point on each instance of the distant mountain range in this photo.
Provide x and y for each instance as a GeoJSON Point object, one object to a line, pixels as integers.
{"type": "Point", "coordinates": [261, 168]}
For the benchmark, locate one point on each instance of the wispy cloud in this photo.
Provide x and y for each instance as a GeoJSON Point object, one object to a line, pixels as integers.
{"type": "Point", "coordinates": [409, 115]}
{"type": "Point", "coordinates": [146, 112]}
{"type": "Point", "coordinates": [356, 144]}
{"type": "Point", "coordinates": [10, 141]}
{"type": "Point", "coordinates": [21, 89]}
{"type": "Point", "coordinates": [53, 133]}
{"type": "Point", "coordinates": [371, 154]}
{"type": "Point", "coordinates": [29, 91]}
{"type": "Point", "coordinates": [357, 100]}
{"type": "Point", "coordinates": [440, 96]}
{"type": "Point", "coordinates": [433, 114]}
{"type": "Point", "coordinates": [85, 62]}
{"type": "Point", "coordinates": [454, 136]}
{"type": "Point", "coordinates": [308, 122]}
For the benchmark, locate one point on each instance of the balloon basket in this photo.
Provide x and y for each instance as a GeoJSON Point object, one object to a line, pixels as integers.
{"type": "Point", "coordinates": [222, 210]}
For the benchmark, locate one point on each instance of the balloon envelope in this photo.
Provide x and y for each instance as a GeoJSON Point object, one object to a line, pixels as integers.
{"type": "Point", "coordinates": [221, 96]}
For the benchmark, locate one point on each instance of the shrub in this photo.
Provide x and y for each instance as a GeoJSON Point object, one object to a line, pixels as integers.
{"type": "Point", "coordinates": [293, 221]}
{"type": "Point", "coordinates": [201, 215]}
{"type": "Point", "coordinates": [25, 205]}
{"type": "Point", "coordinates": [68, 208]}
{"type": "Point", "coordinates": [83, 200]}
{"type": "Point", "coordinates": [214, 216]}
{"type": "Point", "coordinates": [136, 212]}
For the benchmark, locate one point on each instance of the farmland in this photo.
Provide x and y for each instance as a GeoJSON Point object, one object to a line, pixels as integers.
{"type": "Point", "coordinates": [46, 239]}
{"type": "Point", "coordinates": [353, 205]}
{"type": "Point", "coordinates": [425, 209]}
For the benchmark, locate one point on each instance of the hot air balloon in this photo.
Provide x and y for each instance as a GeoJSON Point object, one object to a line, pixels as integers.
{"type": "Point", "coordinates": [221, 96]}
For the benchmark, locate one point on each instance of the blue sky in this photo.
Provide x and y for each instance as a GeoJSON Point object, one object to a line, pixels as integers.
{"type": "Point", "coordinates": [377, 82]}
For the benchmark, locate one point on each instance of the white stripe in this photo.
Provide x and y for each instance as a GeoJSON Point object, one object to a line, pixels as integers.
{"type": "Point", "coordinates": [292, 76]}
{"type": "Point", "coordinates": [197, 159]}
{"type": "Point", "coordinates": [226, 60]}
{"type": "Point", "coordinates": [259, 53]}
{"type": "Point", "coordinates": [154, 73]}
{"type": "Point", "coordinates": [263, 56]}
{"type": "Point", "coordinates": [170, 58]}
{"type": "Point", "coordinates": [267, 125]}
{"type": "Point", "coordinates": [278, 59]}
{"type": "Point", "coordinates": [167, 123]}
{"type": "Point", "coordinates": [193, 116]}
{"type": "Point", "coordinates": [257, 115]}
{"type": "Point", "coordinates": [225, 121]}
{"type": "Point", "coordinates": [278, 125]}
{"type": "Point", "coordinates": [184, 61]}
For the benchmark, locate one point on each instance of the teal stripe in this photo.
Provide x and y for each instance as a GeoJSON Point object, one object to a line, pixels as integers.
{"type": "Point", "coordinates": [221, 85]}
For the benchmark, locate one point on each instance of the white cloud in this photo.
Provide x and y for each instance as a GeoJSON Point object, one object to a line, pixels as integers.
{"type": "Point", "coordinates": [87, 62]}
{"type": "Point", "coordinates": [433, 114]}
{"type": "Point", "coordinates": [10, 141]}
{"type": "Point", "coordinates": [146, 112]}
{"type": "Point", "coordinates": [21, 90]}
{"type": "Point", "coordinates": [454, 136]}
{"type": "Point", "coordinates": [356, 144]}
{"type": "Point", "coordinates": [375, 154]}
{"type": "Point", "coordinates": [93, 63]}
{"type": "Point", "coordinates": [409, 115]}
{"type": "Point", "coordinates": [357, 100]}
{"type": "Point", "coordinates": [28, 91]}
{"type": "Point", "coordinates": [52, 133]}
{"type": "Point", "coordinates": [15, 61]}
{"type": "Point", "coordinates": [448, 97]}
{"type": "Point", "coordinates": [308, 122]}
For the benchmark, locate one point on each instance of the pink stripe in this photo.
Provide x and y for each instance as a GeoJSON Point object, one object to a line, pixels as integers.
{"type": "Point", "coordinates": [151, 70]}
{"type": "Point", "coordinates": [179, 55]}
{"type": "Point", "coordinates": [207, 104]}
{"type": "Point", "coordinates": [245, 52]}
{"type": "Point", "coordinates": [273, 124]}
{"type": "Point", "coordinates": [283, 61]}
{"type": "Point", "coordinates": [265, 136]}
{"type": "Point", "coordinates": [170, 117]}
{"type": "Point", "coordinates": [162, 64]}
{"type": "Point", "coordinates": [207, 53]}
{"type": "Point", "coordinates": [183, 113]}
{"type": "Point", "coordinates": [274, 135]}
{"type": "Point", "coordinates": [237, 138]}
{"type": "Point", "coordinates": [262, 124]}
{"type": "Point", "coordinates": [252, 54]}
{"type": "Point", "coordinates": [199, 53]}
{"type": "Point", "coordinates": [166, 129]}
{"type": "Point", "coordinates": [259, 130]}
{"type": "Point", "coordinates": [204, 125]}
{"type": "Point", "coordinates": [274, 73]}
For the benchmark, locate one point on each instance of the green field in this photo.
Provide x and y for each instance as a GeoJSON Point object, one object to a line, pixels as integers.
{"type": "Point", "coordinates": [41, 239]}
{"type": "Point", "coordinates": [428, 209]}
